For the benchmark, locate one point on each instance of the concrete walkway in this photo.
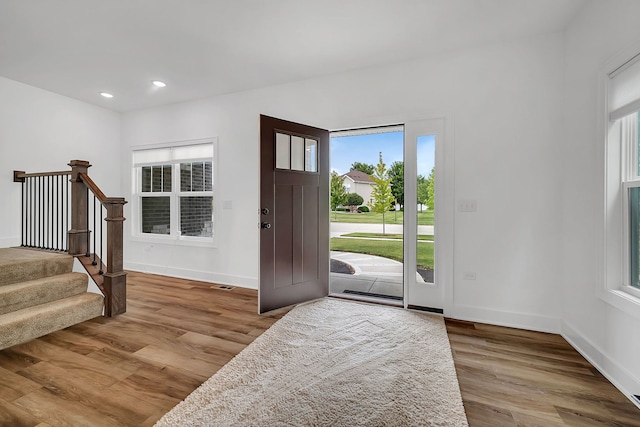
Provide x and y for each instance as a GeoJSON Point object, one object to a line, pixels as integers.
{"type": "Point", "coordinates": [373, 274]}
{"type": "Point", "coordinates": [339, 228]}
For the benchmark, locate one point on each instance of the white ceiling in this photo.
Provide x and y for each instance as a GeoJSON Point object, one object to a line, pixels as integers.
{"type": "Point", "coordinates": [200, 48]}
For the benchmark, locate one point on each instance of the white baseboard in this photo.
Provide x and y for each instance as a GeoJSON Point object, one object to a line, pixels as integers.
{"type": "Point", "coordinates": [9, 242]}
{"type": "Point", "coordinates": [203, 276]}
{"type": "Point", "coordinates": [620, 377]}
{"type": "Point", "coordinates": [509, 319]}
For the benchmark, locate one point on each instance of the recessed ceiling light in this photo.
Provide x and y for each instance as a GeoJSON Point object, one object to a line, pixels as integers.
{"type": "Point", "coordinates": [158, 83]}
{"type": "Point", "coordinates": [106, 94]}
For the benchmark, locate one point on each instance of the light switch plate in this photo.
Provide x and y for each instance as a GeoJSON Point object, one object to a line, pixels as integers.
{"type": "Point", "coordinates": [467, 205]}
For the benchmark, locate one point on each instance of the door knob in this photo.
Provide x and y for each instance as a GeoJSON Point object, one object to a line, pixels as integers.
{"type": "Point", "coordinates": [265, 225]}
{"type": "Point", "coordinates": [264, 211]}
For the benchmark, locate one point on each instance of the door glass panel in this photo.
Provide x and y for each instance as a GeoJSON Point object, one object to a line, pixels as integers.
{"type": "Point", "coordinates": [297, 153]}
{"type": "Point", "coordinates": [310, 155]}
{"type": "Point", "coordinates": [426, 204]}
{"type": "Point", "coordinates": [282, 151]}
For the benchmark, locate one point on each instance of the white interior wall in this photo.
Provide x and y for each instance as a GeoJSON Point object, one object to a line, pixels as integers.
{"type": "Point", "coordinates": [530, 237]}
{"type": "Point", "coordinates": [606, 335]}
{"type": "Point", "coordinates": [41, 131]}
{"type": "Point", "coordinates": [505, 100]}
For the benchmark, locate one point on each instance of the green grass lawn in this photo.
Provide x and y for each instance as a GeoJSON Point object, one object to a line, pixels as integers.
{"type": "Point", "coordinates": [424, 218]}
{"type": "Point", "coordinates": [384, 248]}
{"type": "Point", "coordinates": [387, 236]}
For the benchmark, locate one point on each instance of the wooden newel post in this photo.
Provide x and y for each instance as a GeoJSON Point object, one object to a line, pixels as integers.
{"type": "Point", "coordinates": [79, 233]}
{"type": "Point", "coordinates": [115, 279]}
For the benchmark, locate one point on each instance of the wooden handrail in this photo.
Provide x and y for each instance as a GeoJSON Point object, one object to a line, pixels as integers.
{"type": "Point", "coordinates": [20, 176]}
{"type": "Point", "coordinates": [92, 186]}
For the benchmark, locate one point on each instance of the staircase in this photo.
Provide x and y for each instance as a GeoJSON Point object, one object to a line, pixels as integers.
{"type": "Point", "coordinates": [40, 294]}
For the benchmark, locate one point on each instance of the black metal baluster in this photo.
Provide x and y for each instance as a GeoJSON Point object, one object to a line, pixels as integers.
{"type": "Point", "coordinates": [44, 212]}
{"type": "Point", "coordinates": [101, 258]}
{"type": "Point", "coordinates": [45, 221]}
{"type": "Point", "coordinates": [60, 221]}
{"type": "Point", "coordinates": [38, 215]}
{"type": "Point", "coordinates": [30, 212]}
{"type": "Point", "coordinates": [88, 236]}
{"type": "Point", "coordinates": [34, 210]}
{"type": "Point", "coordinates": [56, 189]}
{"type": "Point", "coordinates": [66, 215]}
{"type": "Point", "coordinates": [50, 212]}
{"type": "Point", "coordinates": [94, 262]}
{"type": "Point", "coordinates": [22, 235]}
{"type": "Point", "coordinates": [41, 222]}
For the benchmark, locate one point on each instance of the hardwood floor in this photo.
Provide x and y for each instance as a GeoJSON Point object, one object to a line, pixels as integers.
{"type": "Point", "coordinates": [130, 370]}
{"type": "Point", "coordinates": [511, 377]}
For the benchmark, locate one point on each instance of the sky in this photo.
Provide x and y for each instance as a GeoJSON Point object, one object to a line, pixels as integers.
{"type": "Point", "coordinates": [365, 148]}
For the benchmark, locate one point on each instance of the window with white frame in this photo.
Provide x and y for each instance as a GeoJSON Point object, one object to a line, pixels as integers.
{"type": "Point", "coordinates": [624, 149]}
{"type": "Point", "coordinates": [173, 189]}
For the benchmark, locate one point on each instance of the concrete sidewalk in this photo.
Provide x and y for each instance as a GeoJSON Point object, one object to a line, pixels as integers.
{"type": "Point", "coordinates": [372, 274]}
{"type": "Point", "coordinates": [339, 228]}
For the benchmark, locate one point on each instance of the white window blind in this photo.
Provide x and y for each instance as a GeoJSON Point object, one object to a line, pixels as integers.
{"type": "Point", "coordinates": [624, 89]}
{"type": "Point", "coordinates": [179, 154]}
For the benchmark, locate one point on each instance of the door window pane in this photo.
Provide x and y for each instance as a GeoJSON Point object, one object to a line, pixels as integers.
{"type": "Point", "coordinates": [297, 153]}
{"type": "Point", "coordinates": [311, 155]}
{"type": "Point", "coordinates": [283, 151]}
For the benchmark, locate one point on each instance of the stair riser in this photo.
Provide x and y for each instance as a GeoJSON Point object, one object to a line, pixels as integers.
{"type": "Point", "coordinates": [27, 324]}
{"type": "Point", "coordinates": [24, 271]}
{"type": "Point", "coordinates": [26, 294]}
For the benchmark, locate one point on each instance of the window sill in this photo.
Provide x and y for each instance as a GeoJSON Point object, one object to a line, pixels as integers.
{"type": "Point", "coordinates": [623, 301]}
{"type": "Point", "coordinates": [176, 241]}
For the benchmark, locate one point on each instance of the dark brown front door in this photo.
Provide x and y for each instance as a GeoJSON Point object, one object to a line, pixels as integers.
{"type": "Point", "coordinates": [294, 217]}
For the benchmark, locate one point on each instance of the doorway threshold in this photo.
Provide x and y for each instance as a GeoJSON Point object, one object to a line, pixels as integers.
{"type": "Point", "coordinates": [368, 298]}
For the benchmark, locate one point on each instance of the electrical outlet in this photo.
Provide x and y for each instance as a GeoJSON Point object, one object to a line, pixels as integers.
{"type": "Point", "coordinates": [469, 275]}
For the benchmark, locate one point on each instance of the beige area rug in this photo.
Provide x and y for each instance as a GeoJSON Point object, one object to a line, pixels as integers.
{"type": "Point", "coordinates": [334, 363]}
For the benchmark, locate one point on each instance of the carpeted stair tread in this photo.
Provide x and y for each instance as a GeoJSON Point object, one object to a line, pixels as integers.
{"type": "Point", "coordinates": [21, 265]}
{"type": "Point", "coordinates": [40, 291]}
{"type": "Point", "coordinates": [29, 323]}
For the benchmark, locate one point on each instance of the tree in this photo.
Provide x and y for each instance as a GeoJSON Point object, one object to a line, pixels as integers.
{"type": "Point", "coordinates": [353, 200]}
{"type": "Point", "coordinates": [423, 193]}
{"type": "Point", "coordinates": [381, 192]}
{"type": "Point", "coordinates": [362, 167]}
{"type": "Point", "coordinates": [338, 191]}
{"type": "Point", "coordinates": [431, 201]}
{"type": "Point", "coordinates": [396, 175]}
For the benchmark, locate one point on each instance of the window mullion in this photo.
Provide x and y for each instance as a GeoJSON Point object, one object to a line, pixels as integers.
{"type": "Point", "coordinates": [175, 201]}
